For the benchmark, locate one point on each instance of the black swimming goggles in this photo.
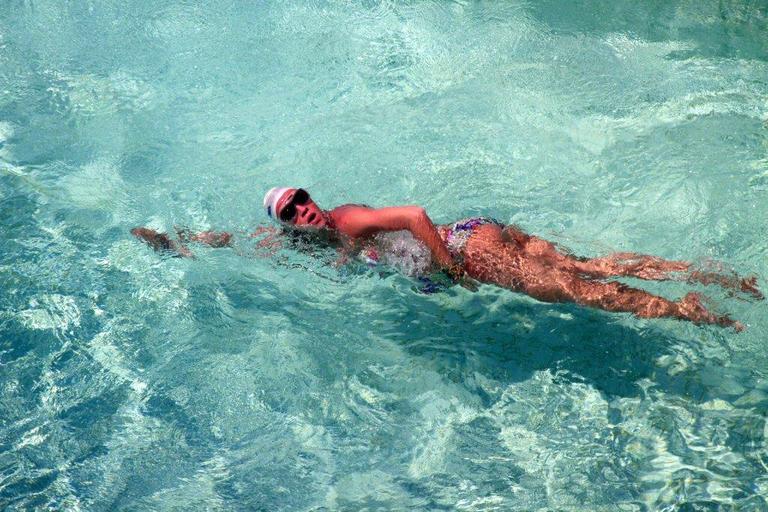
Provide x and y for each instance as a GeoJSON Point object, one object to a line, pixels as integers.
{"type": "Point", "coordinates": [288, 212]}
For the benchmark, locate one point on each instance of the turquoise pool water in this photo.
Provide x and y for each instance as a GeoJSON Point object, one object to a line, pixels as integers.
{"type": "Point", "coordinates": [233, 382]}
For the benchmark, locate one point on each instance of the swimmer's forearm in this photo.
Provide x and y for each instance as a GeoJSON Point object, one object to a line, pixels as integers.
{"type": "Point", "coordinates": [212, 238]}
{"type": "Point", "coordinates": [270, 241]}
{"type": "Point", "coordinates": [422, 227]}
{"type": "Point", "coordinates": [269, 230]}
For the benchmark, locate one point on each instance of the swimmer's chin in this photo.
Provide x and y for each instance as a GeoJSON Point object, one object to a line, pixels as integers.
{"type": "Point", "coordinates": [311, 228]}
{"type": "Point", "coordinates": [317, 224]}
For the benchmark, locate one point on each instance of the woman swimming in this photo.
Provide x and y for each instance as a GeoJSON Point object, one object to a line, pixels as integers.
{"type": "Point", "coordinates": [487, 251]}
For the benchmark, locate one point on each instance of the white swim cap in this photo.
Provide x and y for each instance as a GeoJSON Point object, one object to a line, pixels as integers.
{"type": "Point", "coordinates": [271, 198]}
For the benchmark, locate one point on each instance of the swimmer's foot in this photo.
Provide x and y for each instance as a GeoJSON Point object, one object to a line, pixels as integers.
{"type": "Point", "coordinates": [691, 308]}
{"type": "Point", "coordinates": [726, 279]}
{"type": "Point", "coordinates": [160, 242]}
{"type": "Point", "coordinates": [748, 285]}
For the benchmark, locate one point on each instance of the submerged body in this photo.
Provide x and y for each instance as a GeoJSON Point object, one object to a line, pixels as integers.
{"type": "Point", "coordinates": [533, 266]}
{"type": "Point", "coordinates": [484, 250]}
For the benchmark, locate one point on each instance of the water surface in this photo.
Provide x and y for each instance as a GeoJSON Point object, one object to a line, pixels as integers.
{"type": "Point", "coordinates": [234, 382]}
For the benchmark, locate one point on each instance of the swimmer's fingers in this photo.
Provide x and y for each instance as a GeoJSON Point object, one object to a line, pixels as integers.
{"type": "Point", "coordinates": [211, 238]}
{"type": "Point", "coordinates": [269, 243]}
{"type": "Point", "coordinates": [459, 276]}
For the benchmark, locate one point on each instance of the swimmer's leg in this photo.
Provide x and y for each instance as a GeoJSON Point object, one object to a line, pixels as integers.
{"type": "Point", "coordinates": [631, 264]}
{"type": "Point", "coordinates": [612, 296]}
{"type": "Point", "coordinates": [497, 264]}
{"type": "Point", "coordinates": [492, 259]}
{"type": "Point", "coordinates": [730, 281]}
{"type": "Point", "coordinates": [615, 265]}
{"type": "Point", "coordinates": [654, 268]}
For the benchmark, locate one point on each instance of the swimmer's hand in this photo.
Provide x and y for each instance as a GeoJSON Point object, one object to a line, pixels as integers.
{"type": "Point", "coordinates": [460, 277]}
{"type": "Point", "coordinates": [161, 243]}
{"type": "Point", "coordinates": [468, 283]}
{"type": "Point", "coordinates": [270, 241]}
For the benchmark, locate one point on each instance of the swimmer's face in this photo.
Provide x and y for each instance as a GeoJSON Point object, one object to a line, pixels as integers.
{"type": "Point", "coordinates": [298, 209]}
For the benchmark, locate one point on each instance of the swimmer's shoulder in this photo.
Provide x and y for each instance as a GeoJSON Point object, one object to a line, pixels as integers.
{"type": "Point", "coordinates": [350, 206]}
{"type": "Point", "coordinates": [342, 217]}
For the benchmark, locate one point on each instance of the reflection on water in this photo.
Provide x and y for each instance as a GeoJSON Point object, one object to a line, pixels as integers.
{"type": "Point", "coordinates": [129, 381]}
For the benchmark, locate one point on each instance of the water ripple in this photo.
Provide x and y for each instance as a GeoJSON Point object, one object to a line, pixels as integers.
{"type": "Point", "coordinates": [245, 380]}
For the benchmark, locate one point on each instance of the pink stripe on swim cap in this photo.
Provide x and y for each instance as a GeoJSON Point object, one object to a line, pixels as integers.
{"type": "Point", "coordinates": [271, 198]}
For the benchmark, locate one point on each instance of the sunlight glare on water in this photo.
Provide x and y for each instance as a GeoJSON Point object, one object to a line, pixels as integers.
{"type": "Point", "coordinates": [129, 381]}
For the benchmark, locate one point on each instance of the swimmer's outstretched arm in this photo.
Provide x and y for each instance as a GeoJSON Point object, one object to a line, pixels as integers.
{"type": "Point", "coordinates": [211, 238]}
{"type": "Point", "coordinates": [161, 242]}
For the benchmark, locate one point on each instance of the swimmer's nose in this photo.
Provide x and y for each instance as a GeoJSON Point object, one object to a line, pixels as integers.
{"type": "Point", "coordinates": [303, 213]}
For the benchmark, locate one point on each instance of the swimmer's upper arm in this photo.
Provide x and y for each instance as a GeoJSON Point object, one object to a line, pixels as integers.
{"type": "Point", "coordinates": [357, 221]}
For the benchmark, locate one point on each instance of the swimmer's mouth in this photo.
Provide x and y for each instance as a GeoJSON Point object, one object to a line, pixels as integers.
{"type": "Point", "coordinates": [311, 218]}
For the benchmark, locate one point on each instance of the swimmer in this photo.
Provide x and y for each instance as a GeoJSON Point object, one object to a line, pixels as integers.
{"type": "Point", "coordinates": [484, 250]}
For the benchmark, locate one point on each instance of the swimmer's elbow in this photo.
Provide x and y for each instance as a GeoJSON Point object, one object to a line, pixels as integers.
{"type": "Point", "coordinates": [417, 215]}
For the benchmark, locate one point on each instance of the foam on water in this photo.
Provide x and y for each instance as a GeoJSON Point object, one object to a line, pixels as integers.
{"type": "Point", "coordinates": [403, 252]}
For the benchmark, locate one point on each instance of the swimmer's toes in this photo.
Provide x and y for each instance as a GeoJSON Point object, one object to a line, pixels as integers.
{"type": "Point", "coordinates": [691, 308]}
{"type": "Point", "coordinates": [749, 285]}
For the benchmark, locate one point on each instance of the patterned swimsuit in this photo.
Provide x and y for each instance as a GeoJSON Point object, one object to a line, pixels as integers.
{"type": "Point", "coordinates": [454, 236]}
{"type": "Point", "coordinates": [459, 232]}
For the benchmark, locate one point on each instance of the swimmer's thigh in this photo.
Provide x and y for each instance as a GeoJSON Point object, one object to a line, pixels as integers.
{"type": "Point", "coordinates": [489, 259]}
